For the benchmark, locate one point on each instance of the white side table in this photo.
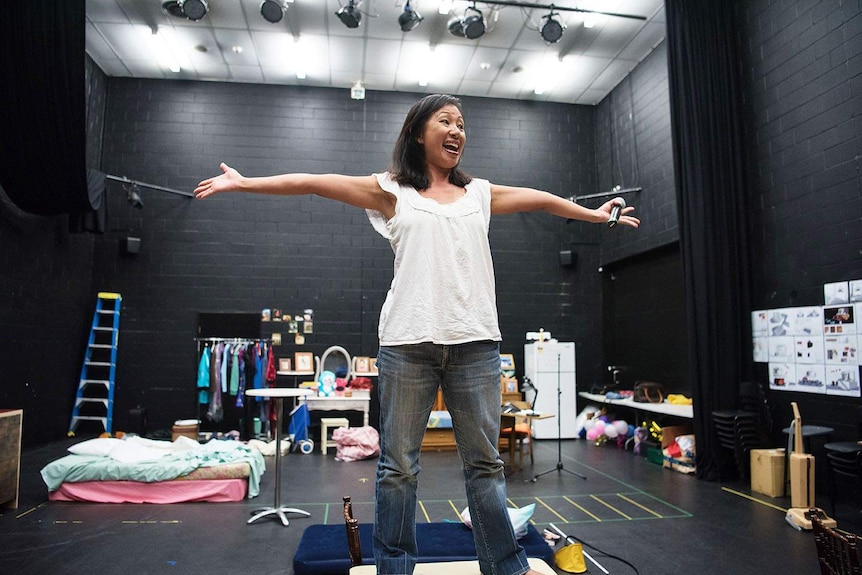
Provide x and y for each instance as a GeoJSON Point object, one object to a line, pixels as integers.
{"type": "Point", "coordinates": [277, 394]}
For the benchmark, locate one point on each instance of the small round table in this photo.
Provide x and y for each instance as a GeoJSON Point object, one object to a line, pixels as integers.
{"type": "Point", "coordinates": [277, 394]}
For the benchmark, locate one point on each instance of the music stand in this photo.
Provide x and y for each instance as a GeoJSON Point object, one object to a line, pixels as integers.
{"type": "Point", "coordinates": [559, 466]}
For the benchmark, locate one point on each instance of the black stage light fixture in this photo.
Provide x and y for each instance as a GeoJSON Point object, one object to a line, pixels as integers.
{"type": "Point", "coordinates": [473, 24]}
{"type": "Point", "coordinates": [470, 26]}
{"type": "Point", "coordinates": [273, 10]}
{"type": "Point", "coordinates": [455, 27]}
{"type": "Point", "coordinates": [133, 196]}
{"type": "Point", "coordinates": [552, 29]}
{"type": "Point", "coordinates": [193, 9]}
{"type": "Point", "coordinates": [172, 8]}
{"type": "Point", "coordinates": [349, 15]}
{"type": "Point", "coordinates": [409, 18]}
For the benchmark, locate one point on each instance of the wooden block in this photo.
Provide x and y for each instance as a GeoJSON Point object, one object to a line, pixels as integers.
{"type": "Point", "coordinates": [801, 480]}
{"type": "Point", "coordinates": [10, 456]}
{"type": "Point", "coordinates": [438, 440]}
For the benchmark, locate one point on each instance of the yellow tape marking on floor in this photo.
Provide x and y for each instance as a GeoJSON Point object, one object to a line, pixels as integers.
{"type": "Point", "coordinates": [597, 518]}
{"type": "Point", "coordinates": [552, 510]}
{"type": "Point", "coordinates": [31, 510]}
{"type": "Point", "coordinates": [424, 512]}
{"type": "Point", "coordinates": [609, 506]}
{"type": "Point", "coordinates": [635, 503]}
{"type": "Point", "coordinates": [455, 509]}
{"type": "Point", "coordinates": [756, 500]}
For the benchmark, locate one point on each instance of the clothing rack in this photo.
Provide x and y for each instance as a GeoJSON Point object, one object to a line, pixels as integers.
{"type": "Point", "coordinates": [233, 339]}
{"type": "Point", "coordinates": [204, 345]}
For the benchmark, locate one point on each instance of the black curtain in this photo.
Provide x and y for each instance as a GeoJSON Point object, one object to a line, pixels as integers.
{"type": "Point", "coordinates": [706, 123]}
{"type": "Point", "coordinates": [42, 115]}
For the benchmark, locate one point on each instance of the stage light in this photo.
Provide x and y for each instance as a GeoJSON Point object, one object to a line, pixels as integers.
{"type": "Point", "coordinates": [273, 10]}
{"type": "Point", "coordinates": [473, 24]}
{"type": "Point", "coordinates": [409, 18]}
{"type": "Point", "coordinates": [552, 29]}
{"type": "Point", "coordinates": [193, 9]}
{"type": "Point", "coordinates": [470, 26]}
{"type": "Point", "coordinates": [349, 15]}
{"type": "Point", "coordinates": [133, 196]}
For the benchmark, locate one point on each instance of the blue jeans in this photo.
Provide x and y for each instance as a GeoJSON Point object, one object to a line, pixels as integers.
{"type": "Point", "coordinates": [469, 375]}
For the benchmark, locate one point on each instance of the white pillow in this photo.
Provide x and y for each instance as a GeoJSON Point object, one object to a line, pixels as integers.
{"type": "Point", "coordinates": [101, 446]}
{"type": "Point", "coordinates": [136, 452]}
{"type": "Point", "coordinates": [520, 518]}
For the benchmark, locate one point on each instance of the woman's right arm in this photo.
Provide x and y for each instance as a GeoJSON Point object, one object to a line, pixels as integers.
{"type": "Point", "coordinates": [359, 191]}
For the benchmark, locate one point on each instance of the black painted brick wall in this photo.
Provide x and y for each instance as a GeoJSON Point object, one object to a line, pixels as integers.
{"type": "Point", "coordinates": [801, 63]}
{"type": "Point", "coordinates": [244, 253]}
{"type": "Point", "coordinates": [635, 150]}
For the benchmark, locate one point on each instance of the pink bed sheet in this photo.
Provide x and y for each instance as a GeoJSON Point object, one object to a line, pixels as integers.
{"type": "Point", "coordinates": [213, 490]}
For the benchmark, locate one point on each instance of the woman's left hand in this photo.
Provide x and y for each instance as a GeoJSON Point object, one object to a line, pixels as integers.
{"type": "Point", "coordinates": [624, 218]}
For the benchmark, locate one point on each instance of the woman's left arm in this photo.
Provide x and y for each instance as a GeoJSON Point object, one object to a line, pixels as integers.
{"type": "Point", "coordinates": [510, 200]}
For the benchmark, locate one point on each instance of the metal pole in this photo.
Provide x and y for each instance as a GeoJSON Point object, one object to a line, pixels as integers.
{"type": "Point", "coordinates": [554, 7]}
{"type": "Point", "coordinates": [126, 180]}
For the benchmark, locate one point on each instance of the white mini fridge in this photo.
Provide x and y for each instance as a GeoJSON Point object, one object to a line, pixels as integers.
{"type": "Point", "coordinates": [546, 364]}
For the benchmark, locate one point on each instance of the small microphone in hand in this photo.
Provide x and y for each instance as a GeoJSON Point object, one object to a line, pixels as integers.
{"type": "Point", "coordinates": [616, 209]}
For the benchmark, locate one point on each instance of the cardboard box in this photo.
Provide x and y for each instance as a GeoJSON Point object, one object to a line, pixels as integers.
{"type": "Point", "coordinates": [767, 472]}
{"type": "Point", "coordinates": [671, 432]}
{"type": "Point", "coordinates": [187, 430]}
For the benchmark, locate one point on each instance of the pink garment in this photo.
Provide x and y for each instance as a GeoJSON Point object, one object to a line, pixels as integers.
{"type": "Point", "coordinates": [355, 443]}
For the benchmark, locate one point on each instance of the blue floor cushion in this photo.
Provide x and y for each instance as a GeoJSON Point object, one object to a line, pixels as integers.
{"type": "Point", "coordinates": [323, 549]}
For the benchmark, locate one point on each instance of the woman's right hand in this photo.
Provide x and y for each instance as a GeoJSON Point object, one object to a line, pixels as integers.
{"type": "Point", "coordinates": [228, 181]}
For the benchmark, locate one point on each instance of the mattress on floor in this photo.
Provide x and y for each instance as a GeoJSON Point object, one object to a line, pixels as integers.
{"type": "Point", "coordinates": [162, 492]}
{"type": "Point", "coordinates": [322, 550]}
{"type": "Point", "coordinates": [146, 471]}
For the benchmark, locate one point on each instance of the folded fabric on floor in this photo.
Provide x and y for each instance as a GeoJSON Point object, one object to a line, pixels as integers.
{"type": "Point", "coordinates": [323, 549]}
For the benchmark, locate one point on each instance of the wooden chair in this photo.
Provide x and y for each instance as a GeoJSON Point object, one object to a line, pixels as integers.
{"type": "Point", "coordinates": [836, 553]}
{"type": "Point", "coordinates": [523, 434]}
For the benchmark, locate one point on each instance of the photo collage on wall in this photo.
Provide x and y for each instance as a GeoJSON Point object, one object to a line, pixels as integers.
{"type": "Point", "coordinates": [813, 349]}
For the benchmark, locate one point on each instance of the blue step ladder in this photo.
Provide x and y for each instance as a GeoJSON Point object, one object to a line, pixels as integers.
{"type": "Point", "coordinates": [94, 400]}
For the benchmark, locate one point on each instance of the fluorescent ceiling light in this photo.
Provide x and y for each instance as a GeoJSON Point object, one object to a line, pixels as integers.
{"type": "Point", "coordinates": [159, 47]}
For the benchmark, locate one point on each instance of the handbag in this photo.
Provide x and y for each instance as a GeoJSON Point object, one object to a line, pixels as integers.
{"type": "Point", "coordinates": [648, 392]}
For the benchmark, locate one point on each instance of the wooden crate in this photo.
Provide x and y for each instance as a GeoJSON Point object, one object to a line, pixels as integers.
{"type": "Point", "coordinates": [10, 456]}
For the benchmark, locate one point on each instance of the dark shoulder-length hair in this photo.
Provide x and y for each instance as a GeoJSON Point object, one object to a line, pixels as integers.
{"type": "Point", "coordinates": [408, 156]}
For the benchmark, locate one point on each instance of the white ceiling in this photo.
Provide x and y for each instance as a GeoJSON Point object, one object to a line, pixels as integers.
{"type": "Point", "coordinates": [507, 62]}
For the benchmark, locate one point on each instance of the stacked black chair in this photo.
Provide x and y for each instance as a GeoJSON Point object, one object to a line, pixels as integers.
{"type": "Point", "coordinates": [741, 430]}
{"type": "Point", "coordinates": [843, 462]}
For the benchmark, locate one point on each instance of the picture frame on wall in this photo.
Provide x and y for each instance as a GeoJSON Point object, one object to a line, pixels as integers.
{"type": "Point", "coordinates": [363, 364]}
{"type": "Point", "coordinates": [304, 360]}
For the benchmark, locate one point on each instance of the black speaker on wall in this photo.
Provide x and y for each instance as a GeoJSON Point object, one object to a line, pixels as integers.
{"type": "Point", "coordinates": [131, 245]}
{"type": "Point", "coordinates": [568, 258]}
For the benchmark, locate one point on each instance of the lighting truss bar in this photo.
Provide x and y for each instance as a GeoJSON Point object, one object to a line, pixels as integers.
{"type": "Point", "coordinates": [126, 180]}
{"type": "Point", "coordinates": [605, 194]}
{"type": "Point", "coordinates": [557, 8]}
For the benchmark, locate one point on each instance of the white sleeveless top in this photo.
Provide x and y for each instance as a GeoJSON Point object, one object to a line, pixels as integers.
{"type": "Point", "coordinates": [443, 290]}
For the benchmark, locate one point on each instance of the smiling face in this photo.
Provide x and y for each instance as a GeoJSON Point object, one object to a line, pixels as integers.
{"type": "Point", "coordinates": [443, 138]}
